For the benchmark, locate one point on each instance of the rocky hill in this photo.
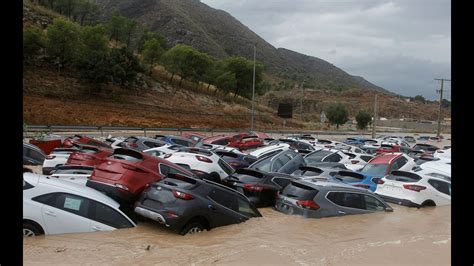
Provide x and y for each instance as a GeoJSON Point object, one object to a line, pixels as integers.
{"type": "Point", "coordinates": [218, 33]}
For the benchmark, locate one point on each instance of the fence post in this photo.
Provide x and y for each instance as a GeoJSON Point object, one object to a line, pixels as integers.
{"type": "Point", "coordinates": [144, 132]}
{"type": "Point", "coordinates": [101, 132]}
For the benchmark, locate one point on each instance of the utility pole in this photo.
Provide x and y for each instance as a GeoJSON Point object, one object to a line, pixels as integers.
{"type": "Point", "coordinates": [374, 123]}
{"type": "Point", "coordinates": [253, 86]}
{"type": "Point", "coordinates": [438, 133]}
{"type": "Point", "coordinates": [301, 99]}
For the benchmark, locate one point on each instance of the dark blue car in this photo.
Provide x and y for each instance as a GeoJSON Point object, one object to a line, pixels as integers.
{"type": "Point", "coordinates": [355, 141]}
{"type": "Point", "coordinates": [175, 140]}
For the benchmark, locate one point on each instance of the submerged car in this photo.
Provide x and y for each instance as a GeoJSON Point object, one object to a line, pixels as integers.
{"type": "Point", "coordinates": [88, 155]}
{"type": "Point", "coordinates": [126, 173]}
{"type": "Point", "coordinates": [57, 157]}
{"type": "Point", "coordinates": [384, 164]}
{"type": "Point", "coordinates": [175, 140]}
{"type": "Point", "coordinates": [52, 206]}
{"type": "Point", "coordinates": [324, 199]}
{"type": "Point", "coordinates": [235, 159]}
{"type": "Point", "coordinates": [326, 155]}
{"type": "Point", "coordinates": [190, 205]}
{"type": "Point", "coordinates": [32, 155]}
{"type": "Point", "coordinates": [415, 190]}
{"type": "Point", "coordinates": [141, 143]}
{"type": "Point", "coordinates": [84, 140]}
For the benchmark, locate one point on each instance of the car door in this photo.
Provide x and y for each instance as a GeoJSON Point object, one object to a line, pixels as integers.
{"type": "Point", "coordinates": [105, 218]}
{"type": "Point", "coordinates": [442, 195]}
{"type": "Point", "coordinates": [64, 213]}
{"type": "Point", "coordinates": [223, 208]}
{"type": "Point", "coordinates": [347, 202]}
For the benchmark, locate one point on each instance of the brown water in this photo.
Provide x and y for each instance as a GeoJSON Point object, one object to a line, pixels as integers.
{"type": "Point", "coordinates": [407, 236]}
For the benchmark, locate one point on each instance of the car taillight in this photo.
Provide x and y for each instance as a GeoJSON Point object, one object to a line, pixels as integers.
{"type": "Point", "coordinates": [203, 159]}
{"type": "Point", "coordinates": [133, 145]}
{"type": "Point", "coordinates": [253, 187]}
{"type": "Point", "coordinates": [416, 188]}
{"type": "Point", "coordinates": [440, 151]}
{"type": "Point", "coordinates": [123, 187]}
{"type": "Point", "coordinates": [378, 180]}
{"type": "Point", "coordinates": [307, 204]}
{"type": "Point", "coordinates": [182, 195]}
{"type": "Point", "coordinates": [362, 186]}
{"type": "Point", "coordinates": [355, 161]}
{"type": "Point", "coordinates": [50, 157]}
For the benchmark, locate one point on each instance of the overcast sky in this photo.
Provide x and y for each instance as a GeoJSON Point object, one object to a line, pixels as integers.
{"type": "Point", "coordinates": [400, 45]}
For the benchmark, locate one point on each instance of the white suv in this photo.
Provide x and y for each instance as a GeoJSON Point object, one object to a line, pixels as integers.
{"type": "Point", "coordinates": [53, 206]}
{"type": "Point", "coordinates": [57, 157]}
{"type": "Point", "coordinates": [202, 162]}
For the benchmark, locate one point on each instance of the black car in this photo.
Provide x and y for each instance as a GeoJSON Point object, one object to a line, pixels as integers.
{"type": "Point", "coordinates": [236, 160]}
{"type": "Point", "coordinates": [189, 205]}
{"type": "Point", "coordinates": [300, 146]}
{"type": "Point", "coordinates": [259, 187]}
{"type": "Point", "coordinates": [425, 148]}
{"type": "Point", "coordinates": [32, 155]}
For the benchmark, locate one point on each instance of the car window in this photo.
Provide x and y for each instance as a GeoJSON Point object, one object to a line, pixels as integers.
{"type": "Point", "coordinates": [185, 166]}
{"type": "Point", "coordinates": [333, 158]}
{"type": "Point", "coordinates": [373, 204]}
{"type": "Point", "coordinates": [374, 169]}
{"type": "Point", "coordinates": [316, 156]}
{"type": "Point", "coordinates": [165, 170]}
{"type": "Point", "coordinates": [107, 215]}
{"type": "Point", "coordinates": [221, 142]}
{"type": "Point", "coordinates": [152, 144]}
{"type": "Point", "coordinates": [366, 158]}
{"type": "Point", "coordinates": [347, 199]}
{"type": "Point", "coordinates": [182, 142]}
{"type": "Point", "coordinates": [225, 199]}
{"type": "Point", "coordinates": [36, 155]}
{"type": "Point", "coordinates": [226, 167]}
{"type": "Point", "coordinates": [27, 185]}
{"type": "Point", "coordinates": [299, 191]}
{"type": "Point", "coordinates": [263, 165]}
{"type": "Point", "coordinates": [399, 163]}
{"type": "Point", "coordinates": [155, 153]}
{"type": "Point", "coordinates": [358, 150]}
{"type": "Point", "coordinates": [245, 208]}
{"type": "Point", "coordinates": [277, 164]}
{"type": "Point", "coordinates": [441, 186]}
{"type": "Point", "coordinates": [73, 203]}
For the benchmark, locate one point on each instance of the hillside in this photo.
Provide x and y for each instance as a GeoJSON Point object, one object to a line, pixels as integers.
{"type": "Point", "coordinates": [218, 33]}
{"type": "Point", "coordinates": [61, 98]}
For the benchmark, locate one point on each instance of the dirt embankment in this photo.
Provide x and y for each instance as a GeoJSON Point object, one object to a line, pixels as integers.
{"type": "Point", "coordinates": [52, 98]}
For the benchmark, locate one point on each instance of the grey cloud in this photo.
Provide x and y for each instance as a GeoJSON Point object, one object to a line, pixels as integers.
{"type": "Point", "coordinates": [393, 44]}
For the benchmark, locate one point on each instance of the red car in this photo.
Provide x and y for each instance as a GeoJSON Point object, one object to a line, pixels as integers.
{"type": "Point", "coordinates": [126, 173]}
{"type": "Point", "coordinates": [79, 139]}
{"type": "Point", "coordinates": [88, 155]}
{"type": "Point", "coordinates": [241, 141]}
{"type": "Point", "coordinates": [196, 137]}
{"type": "Point", "coordinates": [385, 148]}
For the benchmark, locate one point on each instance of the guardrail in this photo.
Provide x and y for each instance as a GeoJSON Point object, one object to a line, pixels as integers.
{"type": "Point", "coordinates": [31, 130]}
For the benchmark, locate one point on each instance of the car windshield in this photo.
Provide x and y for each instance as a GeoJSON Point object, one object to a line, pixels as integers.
{"type": "Point", "coordinates": [316, 156]}
{"type": "Point", "coordinates": [375, 169]}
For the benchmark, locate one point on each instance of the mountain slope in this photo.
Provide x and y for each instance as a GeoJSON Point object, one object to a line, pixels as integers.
{"type": "Point", "coordinates": [218, 33]}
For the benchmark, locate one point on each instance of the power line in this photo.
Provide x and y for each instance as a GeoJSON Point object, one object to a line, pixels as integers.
{"type": "Point", "coordinates": [440, 91]}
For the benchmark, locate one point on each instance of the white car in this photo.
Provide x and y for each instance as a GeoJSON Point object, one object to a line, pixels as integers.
{"type": "Point", "coordinates": [272, 149]}
{"type": "Point", "coordinates": [358, 161]}
{"type": "Point", "coordinates": [441, 166]}
{"type": "Point", "coordinates": [114, 142]}
{"type": "Point", "coordinates": [203, 163]}
{"type": "Point", "coordinates": [325, 143]}
{"type": "Point", "coordinates": [326, 155]}
{"type": "Point", "coordinates": [349, 148]}
{"type": "Point", "coordinates": [443, 154]}
{"type": "Point", "coordinates": [52, 206]}
{"type": "Point", "coordinates": [162, 150]}
{"type": "Point", "coordinates": [73, 173]}
{"type": "Point", "coordinates": [414, 190]}
{"type": "Point", "coordinates": [57, 157]}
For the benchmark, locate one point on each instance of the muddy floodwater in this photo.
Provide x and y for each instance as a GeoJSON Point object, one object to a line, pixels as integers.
{"type": "Point", "coordinates": [406, 236]}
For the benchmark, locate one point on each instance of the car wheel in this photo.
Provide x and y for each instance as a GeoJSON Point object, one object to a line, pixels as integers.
{"type": "Point", "coordinates": [30, 230]}
{"type": "Point", "coordinates": [192, 228]}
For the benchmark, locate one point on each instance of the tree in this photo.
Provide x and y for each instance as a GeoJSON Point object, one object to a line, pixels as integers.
{"type": "Point", "coordinates": [149, 35]}
{"type": "Point", "coordinates": [337, 114]}
{"type": "Point", "coordinates": [33, 42]}
{"type": "Point", "coordinates": [62, 41]}
{"type": "Point", "coordinates": [92, 60]}
{"type": "Point", "coordinates": [445, 103]}
{"type": "Point", "coordinates": [123, 66]}
{"type": "Point", "coordinates": [243, 70]}
{"type": "Point", "coordinates": [419, 98]}
{"type": "Point", "coordinates": [184, 61]}
{"type": "Point", "coordinates": [152, 52]}
{"type": "Point", "coordinates": [119, 28]}
{"type": "Point", "coordinates": [363, 118]}
{"type": "Point", "coordinates": [226, 82]}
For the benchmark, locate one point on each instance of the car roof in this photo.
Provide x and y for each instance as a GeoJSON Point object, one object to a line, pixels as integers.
{"type": "Point", "coordinates": [78, 189]}
{"type": "Point", "coordinates": [385, 158]}
{"type": "Point", "coordinates": [327, 185]}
